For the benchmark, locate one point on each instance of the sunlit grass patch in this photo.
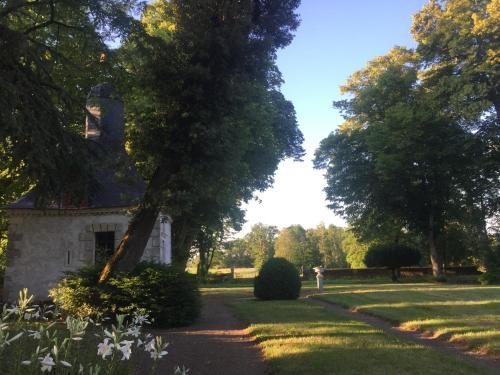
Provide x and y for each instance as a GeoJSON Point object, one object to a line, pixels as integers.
{"type": "Point", "coordinates": [298, 337]}
{"type": "Point", "coordinates": [469, 314]}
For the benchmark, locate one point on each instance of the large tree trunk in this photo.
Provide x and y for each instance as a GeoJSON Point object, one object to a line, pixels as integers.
{"type": "Point", "coordinates": [435, 257]}
{"type": "Point", "coordinates": [131, 248]}
{"type": "Point", "coordinates": [182, 241]}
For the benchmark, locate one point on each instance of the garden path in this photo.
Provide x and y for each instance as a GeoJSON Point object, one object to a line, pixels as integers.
{"type": "Point", "coordinates": [216, 344]}
{"type": "Point", "coordinates": [446, 348]}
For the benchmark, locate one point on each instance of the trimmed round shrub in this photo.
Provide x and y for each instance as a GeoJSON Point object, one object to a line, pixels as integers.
{"type": "Point", "coordinates": [392, 256]}
{"type": "Point", "coordinates": [278, 279]}
{"type": "Point", "coordinates": [167, 293]}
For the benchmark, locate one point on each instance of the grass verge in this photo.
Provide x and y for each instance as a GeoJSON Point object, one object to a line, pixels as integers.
{"type": "Point", "coordinates": [465, 313]}
{"type": "Point", "coordinates": [298, 337]}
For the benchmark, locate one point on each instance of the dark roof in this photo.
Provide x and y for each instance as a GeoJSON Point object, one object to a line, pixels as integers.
{"type": "Point", "coordinates": [119, 185]}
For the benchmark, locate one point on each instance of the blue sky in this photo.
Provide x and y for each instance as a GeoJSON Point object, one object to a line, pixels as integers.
{"type": "Point", "coordinates": [335, 38]}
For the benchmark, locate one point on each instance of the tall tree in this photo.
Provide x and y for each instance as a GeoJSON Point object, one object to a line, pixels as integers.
{"type": "Point", "coordinates": [354, 249]}
{"type": "Point", "coordinates": [292, 245]}
{"type": "Point", "coordinates": [459, 44]}
{"type": "Point", "coordinates": [51, 53]}
{"type": "Point", "coordinates": [260, 242]}
{"type": "Point", "coordinates": [459, 41]}
{"type": "Point", "coordinates": [216, 125]}
{"type": "Point", "coordinates": [330, 246]}
{"type": "Point", "coordinates": [398, 153]}
{"type": "Point", "coordinates": [237, 254]}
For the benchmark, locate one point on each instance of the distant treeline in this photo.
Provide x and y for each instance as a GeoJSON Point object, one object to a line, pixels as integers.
{"type": "Point", "coordinates": [329, 246]}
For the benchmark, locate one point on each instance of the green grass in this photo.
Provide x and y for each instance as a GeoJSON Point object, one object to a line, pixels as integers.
{"type": "Point", "coordinates": [464, 313]}
{"type": "Point", "coordinates": [298, 337]}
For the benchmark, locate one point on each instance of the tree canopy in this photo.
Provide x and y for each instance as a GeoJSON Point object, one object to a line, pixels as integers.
{"type": "Point", "coordinates": [418, 151]}
{"type": "Point", "coordinates": [207, 121]}
{"type": "Point", "coordinates": [51, 53]}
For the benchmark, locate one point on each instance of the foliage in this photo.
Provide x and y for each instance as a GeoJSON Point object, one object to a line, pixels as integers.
{"type": "Point", "coordinates": [492, 265]}
{"type": "Point", "coordinates": [277, 279]}
{"type": "Point", "coordinates": [355, 250]}
{"type": "Point", "coordinates": [392, 256]}
{"type": "Point", "coordinates": [34, 340]}
{"type": "Point", "coordinates": [260, 242]}
{"type": "Point", "coordinates": [329, 241]}
{"type": "Point", "coordinates": [459, 43]}
{"type": "Point", "coordinates": [237, 254]}
{"type": "Point", "coordinates": [52, 52]}
{"type": "Point", "coordinates": [167, 293]}
{"type": "Point", "coordinates": [292, 245]}
{"type": "Point", "coordinates": [207, 122]}
{"type": "Point", "coordinates": [382, 171]}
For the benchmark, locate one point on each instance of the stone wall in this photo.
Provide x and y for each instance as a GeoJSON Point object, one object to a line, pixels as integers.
{"type": "Point", "coordinates": [42, 246]}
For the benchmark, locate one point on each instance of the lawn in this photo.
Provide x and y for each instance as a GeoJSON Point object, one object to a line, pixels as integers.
{"type": "Point", "coordinates": [464, 313]}
{"type": "Point", "coordinates": [298, 337]}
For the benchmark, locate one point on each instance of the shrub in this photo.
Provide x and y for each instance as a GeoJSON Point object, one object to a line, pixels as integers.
{"type": "Point", "coordinates": [78, 293]}
{"type": "Point", "coordinates": [392, 256]}
{"type": "Point", "coordinates": [492, 265]}
{"type": "Point", "coordinates": [278, 279]}
{"type": "Point", "coordinates": [169, 294]}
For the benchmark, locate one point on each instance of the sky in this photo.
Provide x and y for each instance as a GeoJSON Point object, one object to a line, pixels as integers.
{"type": "Point", "coordinates": [335, 39]}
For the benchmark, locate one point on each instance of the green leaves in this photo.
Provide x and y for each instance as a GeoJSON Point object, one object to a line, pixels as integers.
{"type": "Point", "coordinates": [206, 108]}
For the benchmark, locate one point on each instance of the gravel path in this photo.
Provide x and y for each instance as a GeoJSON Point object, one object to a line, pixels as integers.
{"type": "Point", "coordinates": [217, 344]}
{"type": "Point", "coordinates": [439, 346]}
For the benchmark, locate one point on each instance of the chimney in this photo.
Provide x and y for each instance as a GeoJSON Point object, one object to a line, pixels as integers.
{"type": "Point", "coordinates": [105, 121]}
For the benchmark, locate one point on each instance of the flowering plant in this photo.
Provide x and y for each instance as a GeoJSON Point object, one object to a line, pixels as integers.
{"type": "Point", "coordinates": [33, 342]}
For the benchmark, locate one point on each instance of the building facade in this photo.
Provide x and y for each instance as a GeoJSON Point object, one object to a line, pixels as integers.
{"type": "Point", "coordinates": [45, 242]}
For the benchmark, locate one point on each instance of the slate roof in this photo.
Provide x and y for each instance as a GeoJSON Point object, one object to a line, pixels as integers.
{"type": "Point", "coordinates": [112, 192]}
{"type": "Point", "coordinates": [119, 184]}
{"type": "Point", "coordinates": [109, 195]}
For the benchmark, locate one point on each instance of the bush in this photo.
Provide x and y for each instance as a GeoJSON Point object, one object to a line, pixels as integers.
{"type": "Point", "coordinates": [278, 279]}
{"type": "Point", "coordinates": [79, 294]}
{"type": "Point", "coordinates": [492, 265]}
{"type": "Point", "coordinates": [167, 293]}
{"type": "Point", "coordinates": [392, 256]}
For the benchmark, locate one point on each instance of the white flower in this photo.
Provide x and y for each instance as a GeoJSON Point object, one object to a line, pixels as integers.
{"type": "Point", "coordinates": [26, 363]}
{"type": "Point", "coordinates": [156, 348]}
{"type": "Point", "coordinates": [140, 319]}
{"type": "Point", "coordinates": [47, 363]}
{"type": "Point", "coordinates": [126, 349]}
{"type": "Point", "coordinates": [179, 371]}
{"type": "Point", "coordinates": [134, 331]}
{"type": "Point", "coordinates": [105, 349]}
{"type": "Point", "coordinates": [150, 346]}
{"type": "Point", "coordinates": [158, 355]}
